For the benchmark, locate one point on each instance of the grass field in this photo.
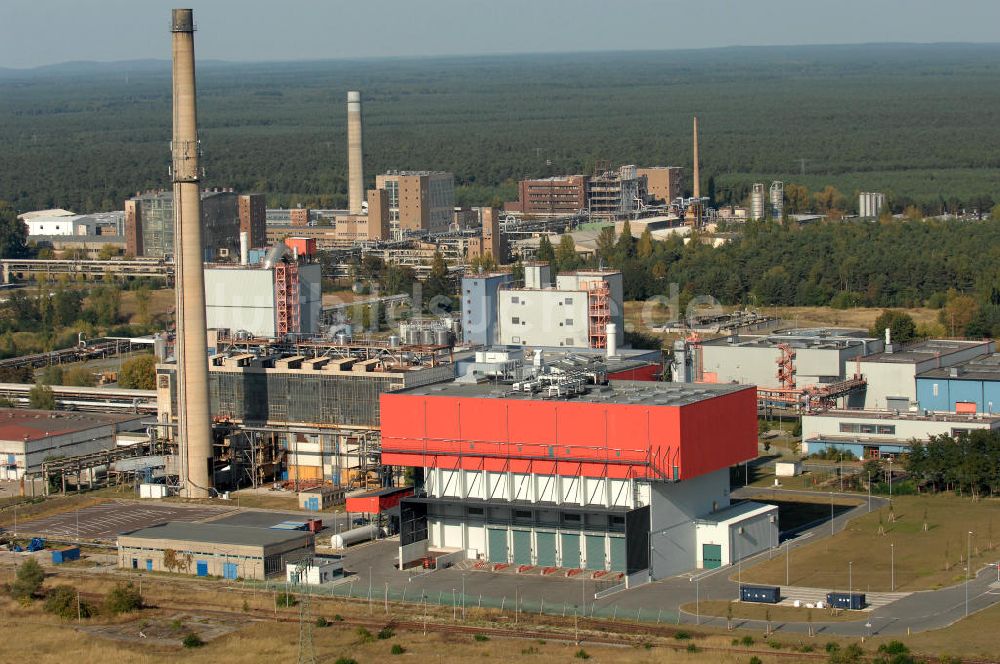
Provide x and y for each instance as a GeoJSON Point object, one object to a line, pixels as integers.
{"type": "Point", "coordinates": [923, 559]}
{"type": "Point", "coordinates": [778, 614]}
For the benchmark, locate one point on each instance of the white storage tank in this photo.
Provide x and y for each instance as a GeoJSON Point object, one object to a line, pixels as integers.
{"type": "Point", "coordinates": [353, 536]}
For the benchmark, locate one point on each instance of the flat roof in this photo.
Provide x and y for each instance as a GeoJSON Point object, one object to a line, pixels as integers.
{"type": "Point", "coordinates": [930, 416]}
{"type": "Point", "coordinates": [986, 367]}
{"type": "Point", "coordinates": [920, 351]}
{"type": "Point", "coordinates": [738, 512]}
{"type": "Point", "coordinates": [626, 392]}
{"type": "Point", "coordinates": [387, 491]}
{"type": "Point", "coordinates": [815, 337]}
{"type": "Point", "coordinates": [218, 533]}
{"type": "Point", "coordinates": [27, 424]}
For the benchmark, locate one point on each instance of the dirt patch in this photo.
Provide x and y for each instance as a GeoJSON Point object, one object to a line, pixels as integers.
{"type": "Point", "coordinates": [168, 630]}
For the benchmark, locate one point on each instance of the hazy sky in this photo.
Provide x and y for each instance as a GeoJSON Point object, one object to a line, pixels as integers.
{"type": "Point", "coordinates": [38, 32]}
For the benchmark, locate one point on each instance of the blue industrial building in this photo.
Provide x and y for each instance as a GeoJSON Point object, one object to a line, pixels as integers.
{"type": "Point", "coordinates": [957, 388]}
{"type": "Point", "coordinates": [479, 306]}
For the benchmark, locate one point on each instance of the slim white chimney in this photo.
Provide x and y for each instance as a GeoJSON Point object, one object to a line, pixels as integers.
{"type": "Point", "coordinates": [244, 248]}
{"type": "Point", "coordinates": [612, 332]}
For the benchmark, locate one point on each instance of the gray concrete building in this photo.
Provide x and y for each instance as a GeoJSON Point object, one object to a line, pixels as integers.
{"type": "Point", "coordinates": [479, 305]}
{"type": "Point", "coordinates": [212, 549]}
{"type": "Point", "coordinates": [241, 298]}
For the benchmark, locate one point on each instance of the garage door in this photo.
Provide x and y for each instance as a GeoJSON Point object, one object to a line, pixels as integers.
{"type": "Point", "coordinates": [498, 545]}
{"type": "Point", "coordinates": [595, 552]}
{"type": "Point", "coordinates": [617, 553]}
{"type": "Point", "coordinates": [711, 556]}
{"type": "Point", "coordinates": [522, 547]}
{"type": "Point", "coordinates": [546, 548]}
{"type": "Point", "coordinates": [570, 550]}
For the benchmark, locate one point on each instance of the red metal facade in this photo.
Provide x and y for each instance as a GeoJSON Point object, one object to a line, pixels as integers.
{"type": "Point", "coordinates": [375, 502]}
{"type": "Point", "coordinates": [572, 438]}
{"type": "Point", "coordinates": [649, 372]}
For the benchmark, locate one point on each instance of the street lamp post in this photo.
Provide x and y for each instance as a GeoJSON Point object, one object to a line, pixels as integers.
{"type": "Point", "coordinates": [831, 513]}
{"type": "Point", "coordinates": [892, 567]}
{"type": "Point", "coordinates": [968, 571]}
{"type": "Point", "coordinates": [786, 563]}
{"type": "Point", "coordinates": [850, 577]}
{"type": "Point", "coordinates": [869, 492]}
{"type": "Point", "coordinates": [697, 602]}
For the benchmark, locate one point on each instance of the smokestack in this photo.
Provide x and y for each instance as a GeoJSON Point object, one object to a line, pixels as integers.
{"type": "Point", "coordinates": [355, 165]}
{"type": "Point", "coordinates": [697, 174]}
{"type": "Point", "coordinates": [194, 426]}
{"type": "Point", "coordinates": [244, 248]}
{"type": "Point", "coordinates": [612, 345]}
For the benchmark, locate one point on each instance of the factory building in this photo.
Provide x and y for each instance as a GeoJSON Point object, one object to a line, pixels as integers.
{"type": "Point", "coordinates": [603, 478]}
{"type": "Point", "coordinates": [870, 204]}
{"type": "Point", "coordinates": [808, 357]}
{"type": "Point", "coordinates": [58, 223]}
{"type": "Point", "coordinates": [575, 313]}
{"type": "Point", "coordinates": [253, 219]}
{"type": "Point", "coordinates": [264, 301]}
{"type": "Point", "coordinates": [664, 184]}
{"type": "Point", "coordinates": [891, 375]}
{"type": "Point", "coordinates": [214, 549]}
{"type": "Point", "coordinates": [316, 402]}
{"type": "Point", "coordinates": [480, 293]}
{"type": "Point", "coordinates": [878, 434]}
{"type": "Point", "coordinates": [28, 438]}
{"type": "Point", "coordinates": [421, 201]}
{"type": "Point", "coordinates": [972, 386]}
{"type": "Point", "coordinates": [149, 224]}
{"type": "Point", "coordinates": [561, 195]}
{"type": "Point", "coordinates": [615, 193]}
{"type": "Point", "coordinates": [374, 224]}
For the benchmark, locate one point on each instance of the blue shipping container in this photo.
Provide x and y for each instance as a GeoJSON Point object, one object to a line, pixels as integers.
{"type": "Point", "coordinates": [852, 601]}
{"type": "Point", "coordinates": [762, 594]}
{"type": "Point", "coordinates": [60, 556]}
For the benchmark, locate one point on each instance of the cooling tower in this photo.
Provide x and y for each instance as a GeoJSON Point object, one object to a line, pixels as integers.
{"type": "Point", "coordinates": [355, 160]}
{"type": "Point", "coordinates": [194, 427]}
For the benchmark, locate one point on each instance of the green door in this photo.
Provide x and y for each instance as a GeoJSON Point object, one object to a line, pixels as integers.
{"type": "Point", "coordinates": [545, 548]}
{"type": "Point", "coordinates": [595, 552]}
{"type": "Point", "coordinates": [497, 543]}
{"type": "Point", "coordinates": [711, 556]}
{"type": "Point", "coordinates": [522, 547]}
{"type": "Point", "coordinates": [617, 554]}
{"type": "Point", "coordinates": [570, 550]}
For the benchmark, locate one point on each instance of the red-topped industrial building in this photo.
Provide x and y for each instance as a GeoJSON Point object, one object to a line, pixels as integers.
{"type": "Point", "coordinates": [555, 472]}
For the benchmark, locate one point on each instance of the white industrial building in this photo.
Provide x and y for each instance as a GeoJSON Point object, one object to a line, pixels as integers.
{"type": "Point", "coordinates": [821, 356]}
{"type": "Point", "coordinates": [247, 299]}
{"type": "Point", "coordinates": [892, 375]}
{"type": "Point", "coordinates": [58, 222]}
{"type": "Point", "coordinates": [572, 314]}
{"type": "Point", "coordinates": [315, 571]}
{"type": "Point", "coordinates": [876, 434]}
{"type": "Point", "coordinates": [735, 533]}
{"type": "Point", "coordinates": [870, 204]}
{"type": "Point", "coordinates": [29, 437]}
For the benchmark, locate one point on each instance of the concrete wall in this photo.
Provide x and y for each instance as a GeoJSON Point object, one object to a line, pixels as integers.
{"type": "Point", "coordinates": [310, 297]}
{"type": "Point", "coordinates": [673, 511]}
{"type": "Point", "coordinates": [941, 394]}
{"type": "Point", "coordinates": [888, 379]}
{"type": "Point", "coordinates": [759, 532]}
{"type": "Point", "coordinates": [543, 318]}
{"type": "Point", "coordinates": [479, 307]}
{"type": "Point", "coordinates": [241, 300]}
{"type": "Point", "coordinates": [248, 559]}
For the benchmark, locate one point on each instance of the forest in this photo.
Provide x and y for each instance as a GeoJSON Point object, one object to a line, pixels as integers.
{"type": "Point", "coordinates": [968, 463]}
{"type": "Point", "coordinates": [918, 122]}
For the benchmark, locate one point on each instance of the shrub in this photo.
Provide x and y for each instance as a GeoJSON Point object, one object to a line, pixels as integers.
{"type": "Point", "coordinates": [385, 633]}
{"type": "Point", "coordinates": [775, 644]}
{"type": "Point", "coordinates": [28, 580]}
{"type": "Point", "coordinates": [581, 654]}
{"type": "Point", "coordinates": [692, 647]}
{"type": "Point", "coordinates": [747, 640]}
{"type": "Point", "coordinates": [62, 601]}
{"type": "Point", "coordinates": [755, 660]}
{"type": "Point", "coordinates": [177, 624]}
{"type": "Point", "coordinates": [322, 622]}
{"type": "Point", "coordinates": [364, 636]}
{"type": "Point", "coordinates": [832, 647]}
{"type": "Point", "coordinates": [285, 599]}
{"type": "Point", "coordinates": [123, 598]}
{"type": "Point", "coordinates": [397, 649]}
{"type": "Point", "coordinates": [480, 637]}
{"type": "Point", "coordinates": [192, 640]}
{"type": "Point", "coordinates": [682, 635]}
{"type": "Point", "coordinates": [346, 660]}
{"type": "Point", "coordinates": [894, 648]}
{"type": "Point", "coordinates": [338, 618]}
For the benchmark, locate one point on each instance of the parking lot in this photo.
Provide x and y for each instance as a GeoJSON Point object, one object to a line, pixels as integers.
{"type": "Point", "coordinates": [105, 521]}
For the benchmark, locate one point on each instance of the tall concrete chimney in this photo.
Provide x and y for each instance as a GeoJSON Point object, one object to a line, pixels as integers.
{"type": "Point", "coordinates": [355, 161]}
{"type": "Point", "coordinates": [194, 424]}
{"type": "Point", "coordinates": [697, 174]}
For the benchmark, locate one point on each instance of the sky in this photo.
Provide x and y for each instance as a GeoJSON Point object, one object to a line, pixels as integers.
{"type": "Point", "coordinates": [43, 32]}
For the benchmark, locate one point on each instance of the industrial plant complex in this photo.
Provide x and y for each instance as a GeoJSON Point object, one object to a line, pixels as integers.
{"type": "Point", "coordinates": [438, 394]}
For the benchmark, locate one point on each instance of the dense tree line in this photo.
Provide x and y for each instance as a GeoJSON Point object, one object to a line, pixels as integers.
{"type": "Point", "coordinates": [858, 118]}
{"type": "Point", "coordinates": [968, 463]}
